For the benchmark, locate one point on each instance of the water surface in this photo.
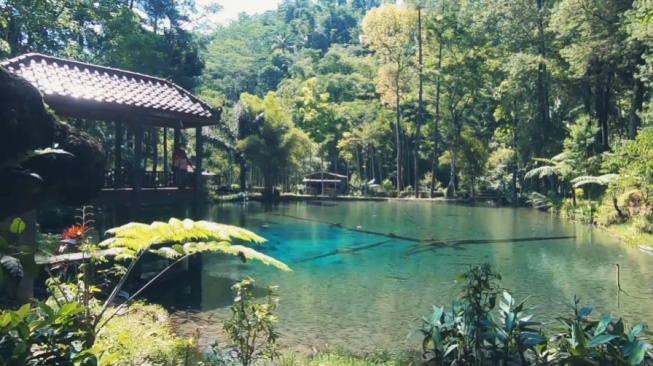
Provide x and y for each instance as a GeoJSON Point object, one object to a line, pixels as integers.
{"type": "Point", "coordinates": [369, 298]}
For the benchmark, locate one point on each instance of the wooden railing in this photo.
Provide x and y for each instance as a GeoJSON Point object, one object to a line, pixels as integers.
{"type": "Point", "coordinates": [123, 178]}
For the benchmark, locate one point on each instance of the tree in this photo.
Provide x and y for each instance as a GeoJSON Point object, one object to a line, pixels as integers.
{"type": "Point", "coordinates": [389, 30]}
{"type": "Point", "coordinates": [278, 144]}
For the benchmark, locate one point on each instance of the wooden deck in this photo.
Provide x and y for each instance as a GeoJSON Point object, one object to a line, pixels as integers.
{"type": "Point", "coordinates": [73, 257]}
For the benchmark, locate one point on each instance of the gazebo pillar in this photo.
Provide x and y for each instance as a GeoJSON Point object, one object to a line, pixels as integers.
{"type": "Point", "coordinates": [199, 152]}
{"type": "Point", "coordinates": [165, 152]}
{"type": "Point", "coordinates": [118, 174]}
{"type": "Point", "coordinates": [176, 138]}
{"type": "Point", "coordinates": [137, 168]}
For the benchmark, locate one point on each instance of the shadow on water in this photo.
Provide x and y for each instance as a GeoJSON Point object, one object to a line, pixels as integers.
{"type": "Point", "coordinates": [431, 245]}
{"type": "Point", "coordinates": [343, 251]}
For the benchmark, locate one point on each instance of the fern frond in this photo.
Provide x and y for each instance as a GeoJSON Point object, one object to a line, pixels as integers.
{"type": "Point", "coordinates": [252, 254]}
{"type": "Point", "coordinates": [560, 157]}
{"type": "Point", "coordinates": [600, 180]}
{"type": "Point", "coordinates": [198, 236]}
{"type": "Point", "coordinates": [166, 252]}
{"type": "Point", "coordinates": [542, 171]}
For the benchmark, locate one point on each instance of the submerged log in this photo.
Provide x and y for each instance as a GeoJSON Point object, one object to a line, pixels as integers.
{"type": "Point", "coordinates": [27, 124]}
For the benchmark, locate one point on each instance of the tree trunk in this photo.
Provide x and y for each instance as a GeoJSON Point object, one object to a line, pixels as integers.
{"type": "Point", "coordinates": [420, 115]}
{"type": "Point", "coordinates": [434, 153]}
{"type": "Point", "coordinates": [398, 131]}
{"type": "Point", "coordinates": [634, 120]}
{"type": "Point", "coordinates": [542, 83]}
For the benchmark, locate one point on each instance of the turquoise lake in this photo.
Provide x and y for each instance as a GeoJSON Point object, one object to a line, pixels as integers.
{"type": "Point", "coordinates": [369, 297]}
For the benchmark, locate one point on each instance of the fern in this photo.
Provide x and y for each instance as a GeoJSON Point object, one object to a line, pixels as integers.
{"type": "Point", "coordinates": [176, 240]}
{"type": "Point", "coordinates": [603, 180]}
{"type": "Point", "coordinates": [185, 237]}
{"type": "Point", "coordinates": [542, 171]}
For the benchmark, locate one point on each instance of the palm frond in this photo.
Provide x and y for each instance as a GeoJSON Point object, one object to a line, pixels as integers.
{"type": "Point", "coordinates": [603, 180]}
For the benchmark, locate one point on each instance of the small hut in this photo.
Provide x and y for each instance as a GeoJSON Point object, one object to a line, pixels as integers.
{"type": "Point", "coordinates": [325, 183]}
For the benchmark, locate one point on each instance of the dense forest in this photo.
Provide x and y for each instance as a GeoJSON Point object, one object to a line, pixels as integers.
{"type": "Point", "coordinates": [510, 95]}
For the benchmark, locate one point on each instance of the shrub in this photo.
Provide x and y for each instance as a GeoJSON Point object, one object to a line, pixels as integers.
{"type": "Point", "coordinates": [474, 332]}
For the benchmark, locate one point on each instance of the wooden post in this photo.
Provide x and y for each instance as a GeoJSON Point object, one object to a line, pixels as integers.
{"type": "Point", "coordinates": [137, 168]}
{"type": "Point", "coordinates": [199, 152]}
{"type": "Point", "coordinates": [176, 138]}
{"type": "Point", "coordinates": [618, 277]}
{"type": "Point", "coordinates": [165, 150]}
{"type": "Point", "coordinates": [118, 177]}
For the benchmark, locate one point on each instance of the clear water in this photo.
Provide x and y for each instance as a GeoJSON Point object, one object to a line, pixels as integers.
{"type": "Point", "coordinates": [370, 298]}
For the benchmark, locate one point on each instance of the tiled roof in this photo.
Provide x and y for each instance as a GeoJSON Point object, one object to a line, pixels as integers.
{"type": "Point", "coordinates": [71, 83]}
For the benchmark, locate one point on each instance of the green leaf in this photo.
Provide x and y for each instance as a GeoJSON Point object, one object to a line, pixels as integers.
{"type": "Point", "coordinates": [17, 226]}
{"type": "Point", "coordinates": [179, 249]}
{"type": "Point", "coordinates": [584, 312]}
{"type": "Point", "coordinates": [637, 356]}
{"type": "Point", "coordinates": [603, 324]}
{"type": "Point", "coordinates": [601, 339]}
{"type": "Point", "coordinates": [71, 309]}
{"type": "Point", "coordinates": [3, 243]}
{"type": "Point", "coordinates": [637, 330]}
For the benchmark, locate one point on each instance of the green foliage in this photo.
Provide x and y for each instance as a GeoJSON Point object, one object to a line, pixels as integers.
{"type": "Point", "coordinates": [277, 144]}
{"type": "Point", "coordinates": [469, 333]}
{"type": "Point", "coordinates": [143, 333]}
{"type": "Point", "coordinates": [41, 335]}
{"type": "Point", "coordinates": [606, 342]}
{"type": "Point", "coordinates": [251, 330]}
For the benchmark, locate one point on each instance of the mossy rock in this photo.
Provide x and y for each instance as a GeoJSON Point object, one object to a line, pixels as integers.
{"type": "Point", "coordinates": [27, 124]}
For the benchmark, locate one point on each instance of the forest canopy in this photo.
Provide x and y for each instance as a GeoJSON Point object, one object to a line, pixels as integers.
{"type": "Point", "coordinates": [468, 95]}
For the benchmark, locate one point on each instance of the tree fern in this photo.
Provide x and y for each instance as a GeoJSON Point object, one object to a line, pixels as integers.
{"type": "Point", "coordinates": [542, 171]}
{"type": "Point", "coordinates": [177, 240]}
{"type": "Point", "coordinates": [603, 180]}
{"type": "Point", "coordinates": [182, 238]}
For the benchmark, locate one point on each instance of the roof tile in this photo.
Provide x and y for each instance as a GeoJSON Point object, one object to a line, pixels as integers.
{"type": "Point", "coordinates": [59, 77]}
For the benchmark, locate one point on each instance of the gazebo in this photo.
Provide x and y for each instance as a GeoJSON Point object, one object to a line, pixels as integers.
{"type": "Point", "coordinates": [84, 91]}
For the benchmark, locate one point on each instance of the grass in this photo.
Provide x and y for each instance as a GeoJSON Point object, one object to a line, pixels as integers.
{"type": "Point", "coordinates": [340, 357]}
{"type": "Point", "coordinates": [143, 335]}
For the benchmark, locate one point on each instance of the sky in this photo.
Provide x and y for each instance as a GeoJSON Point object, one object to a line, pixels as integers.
{"type": "Point", "coordinates": [231, 8]}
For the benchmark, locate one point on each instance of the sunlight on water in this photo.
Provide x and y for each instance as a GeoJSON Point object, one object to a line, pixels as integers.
{"type": "Point", "coordinates": [360, 290]}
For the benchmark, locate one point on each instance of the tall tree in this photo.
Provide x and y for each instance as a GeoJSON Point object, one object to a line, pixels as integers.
{"type": "Point", "coordinates": [389, 30]}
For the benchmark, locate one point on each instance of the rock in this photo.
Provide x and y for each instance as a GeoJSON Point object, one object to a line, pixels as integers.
{"type": "Point", "coordinates": [27, 124]}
